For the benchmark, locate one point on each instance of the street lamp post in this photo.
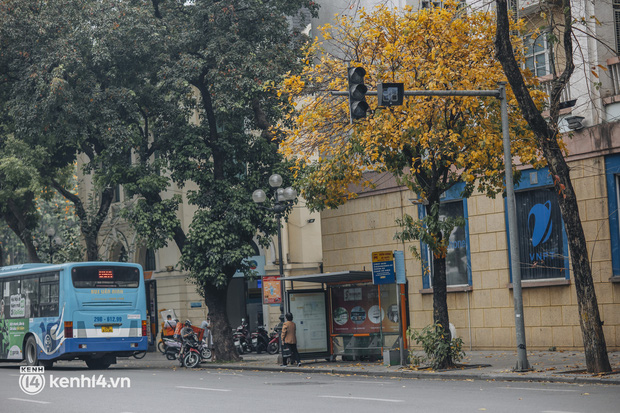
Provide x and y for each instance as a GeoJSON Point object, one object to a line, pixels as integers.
{"type": "Point", "coordinates": [283, 198]}
{"type": "Point", "coordinates": [54, 241]}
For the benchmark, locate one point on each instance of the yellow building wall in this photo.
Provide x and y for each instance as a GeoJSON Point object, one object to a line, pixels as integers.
{"type": "Point", "coordinates": [484, 317]}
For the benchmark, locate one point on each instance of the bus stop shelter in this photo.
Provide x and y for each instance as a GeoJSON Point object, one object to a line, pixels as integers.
{"type": "Point", "coordinates": [344, 314]}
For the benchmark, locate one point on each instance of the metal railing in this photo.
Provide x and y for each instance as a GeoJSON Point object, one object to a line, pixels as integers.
{"type": "Point", "coordinates": [546, 86]}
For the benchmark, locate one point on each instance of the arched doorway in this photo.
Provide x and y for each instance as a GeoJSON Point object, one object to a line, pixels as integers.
{"type": "Point", "coordinates": [244, 299]}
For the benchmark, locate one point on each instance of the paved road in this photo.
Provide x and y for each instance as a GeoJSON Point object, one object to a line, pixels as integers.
{"type": "Point", "coordinates": [74, 388]}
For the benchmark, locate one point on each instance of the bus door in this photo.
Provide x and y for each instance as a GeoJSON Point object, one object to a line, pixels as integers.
{"type": "Point", "coordinates": [151, 310]}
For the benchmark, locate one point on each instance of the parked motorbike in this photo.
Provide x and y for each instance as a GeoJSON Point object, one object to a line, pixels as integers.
{"type": "Point", "coordinates": [172, 348]}
{"type": "Point", "coordinates": [274, 343]}
{"type": "Point", "coordinates": [274, 340]}
{"type": "Point", "coordinates": [260, 339]}
{"type": "Point", "coordinates": [192, 355]}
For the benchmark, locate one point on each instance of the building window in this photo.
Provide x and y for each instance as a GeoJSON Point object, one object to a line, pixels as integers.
{"type": "Point", "coordinates": [543, 245]}
{"type": "Point", "coordinates": [426, 4]}
{"type": "Point", "coordinates": [616, 5]}
{"type": "Point", "coordinates": [458, 260]}
{"type": "Point", "coordinates": [117, 193]}
{"type": "Point", "coordinates": [149, 261]}
{"type": "Point", "coordinates": [537, 55]}
{"type": "Point", "coordinates": [612, 173]}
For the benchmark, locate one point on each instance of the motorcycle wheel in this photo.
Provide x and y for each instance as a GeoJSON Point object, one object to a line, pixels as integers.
{"type": "Point", "coordinates": [273, 348]}
{"type": "Point", "coordinates": [205, 353]}
{"type": "Point", "coordinates": [161, 346]}
{"type": "Point", "coordinates": [139, 354]}
{"type": "Point", "coordinates": [191, 360]}
{"type": "Point", "coordinates": [171, 356]}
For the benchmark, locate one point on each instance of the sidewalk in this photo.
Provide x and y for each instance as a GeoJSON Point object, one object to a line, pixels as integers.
{"type": "Point", "coordinates": [547, 366]}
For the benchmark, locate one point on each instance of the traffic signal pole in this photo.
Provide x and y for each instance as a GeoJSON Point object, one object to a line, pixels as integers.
{"type": "Point", "coordinates": [499, 93]}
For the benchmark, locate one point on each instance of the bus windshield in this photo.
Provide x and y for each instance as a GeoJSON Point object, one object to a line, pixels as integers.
{"type": "Point", "coordinates": [109, 276]}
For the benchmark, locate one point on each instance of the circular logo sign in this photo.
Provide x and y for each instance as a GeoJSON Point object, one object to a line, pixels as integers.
{"type": "Point", "coordinates": [31, 384]}
{"type": "Point", "coordinates": [341, 316]}
{"type": "Point", "coordinates": [375, 314]}
{"type": "Point", "coordinates": [358, 315]}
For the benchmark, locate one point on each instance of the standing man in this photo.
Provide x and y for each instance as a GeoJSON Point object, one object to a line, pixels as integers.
{"type": "Point", "coordinates": [289, 339]}
{"type": "Point", "coordinates": [169, 326]}
{"type": "Point", "coordinates": [206, 338]}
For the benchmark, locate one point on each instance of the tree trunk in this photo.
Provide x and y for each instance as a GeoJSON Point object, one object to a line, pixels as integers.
{"type": "Point", "coordinates": [220, 328]}
{"type": "Point", "coordinates": [89, 227]}
{"type": "Point", "coordinates": [595, 348]}
{"type": "Point", "coordinates": [440, 304]}
{"type": "Point", "coordinates": [16, 220]}
{"type": "Point", "coordinates": [597, 360]}
{"type": "Point", "coordinates": [440, 289]}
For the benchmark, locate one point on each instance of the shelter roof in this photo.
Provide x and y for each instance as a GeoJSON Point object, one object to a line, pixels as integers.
{"type": "Point", "coordinates": [334, 277]}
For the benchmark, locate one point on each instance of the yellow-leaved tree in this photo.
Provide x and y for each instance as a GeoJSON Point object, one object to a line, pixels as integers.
{"type": "Point", "coordinates": [430, 143]}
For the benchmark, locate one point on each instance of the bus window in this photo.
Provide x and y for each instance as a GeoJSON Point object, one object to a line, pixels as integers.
{"type": "Point", "coordinates": [48, 298]}
{"type": "Point", "coordinates": [98, 277]}
{"type": "Point", "coordinates": [30, 290]}
{"type": "Point", "coordinates": [14, 302]}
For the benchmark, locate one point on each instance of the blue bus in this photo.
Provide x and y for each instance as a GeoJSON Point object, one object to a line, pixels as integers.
{"type": "Point", "coordinates": [91, 311]}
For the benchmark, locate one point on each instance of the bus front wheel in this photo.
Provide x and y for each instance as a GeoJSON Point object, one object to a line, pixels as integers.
{"type": "Point", "coordinates": [30, 351]}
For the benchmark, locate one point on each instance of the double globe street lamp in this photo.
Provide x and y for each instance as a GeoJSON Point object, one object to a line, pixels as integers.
{"type": "Point", "coordinates": [55, 242]}
{"type": "Point", "coordinates": [282, 200]}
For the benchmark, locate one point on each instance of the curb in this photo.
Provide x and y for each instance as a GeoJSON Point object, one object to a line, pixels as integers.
{"type": "Point", "coordinates": [517, 377]}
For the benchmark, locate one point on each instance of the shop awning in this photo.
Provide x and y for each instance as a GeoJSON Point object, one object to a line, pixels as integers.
{"type": "Point", "coordinates": [334, 277]}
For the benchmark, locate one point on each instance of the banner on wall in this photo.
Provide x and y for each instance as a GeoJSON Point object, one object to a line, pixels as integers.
{"type": "Point", "coordinates": [271, 290]}
{"type": "Point", "coordinates": [356, 310]}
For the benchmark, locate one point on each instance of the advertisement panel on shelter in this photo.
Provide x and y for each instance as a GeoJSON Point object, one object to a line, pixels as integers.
{"type": "Point", "coordinates": [309, 314]}
{"type": "Point", "coordinates": [357, 309]}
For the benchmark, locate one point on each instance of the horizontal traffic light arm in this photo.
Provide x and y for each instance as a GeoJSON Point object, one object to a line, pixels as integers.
{"type": "Point", "coordinates": [492, 93]}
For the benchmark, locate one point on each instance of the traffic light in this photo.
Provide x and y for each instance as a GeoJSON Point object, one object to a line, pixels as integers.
{"type": "Point", "coordinates": [390, 94]}
{"type": "Point", "coordinates": [357, 93]}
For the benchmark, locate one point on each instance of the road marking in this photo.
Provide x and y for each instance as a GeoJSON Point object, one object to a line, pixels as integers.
{"type": "Point", "coordinates": [201, 388]}
{"type": "Point", "coordinates": [28, 400]}
{"type": "Point", "coordinates": [528, 388]}
{"type": "Point", "coordinates": [363, 398]}
{"type": "Point", "coordinates": [555, 411]}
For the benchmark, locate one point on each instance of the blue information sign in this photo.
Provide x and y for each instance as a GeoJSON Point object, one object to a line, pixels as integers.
{"type": "Point", "coordinates": [383, 268]}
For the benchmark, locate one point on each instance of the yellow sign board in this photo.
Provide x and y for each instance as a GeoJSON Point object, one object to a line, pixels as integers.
{"type": "Point", "coordinates": [381, 256]}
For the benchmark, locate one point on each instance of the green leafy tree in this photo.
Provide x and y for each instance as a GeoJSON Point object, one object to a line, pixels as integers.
{"type": "Point", "coordinates": [76, 76]}
{"type": "Point", "coordinates": [19, 186]}
{"type": "Point", "coordinates": [185, 87]}
{"type": "Point", "coordinates": [225, 58]}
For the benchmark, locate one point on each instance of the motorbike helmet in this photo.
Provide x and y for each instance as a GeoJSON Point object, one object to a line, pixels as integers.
{"type": "Point", "coordinates": [188, 323]}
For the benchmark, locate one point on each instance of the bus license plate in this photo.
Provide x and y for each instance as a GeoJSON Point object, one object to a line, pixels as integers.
{"type": "Point", "coordinates": [106, 329]}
